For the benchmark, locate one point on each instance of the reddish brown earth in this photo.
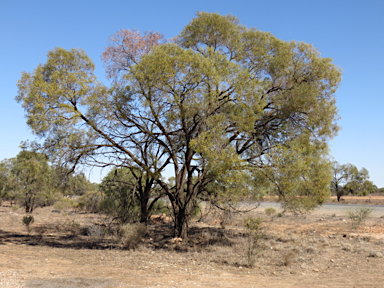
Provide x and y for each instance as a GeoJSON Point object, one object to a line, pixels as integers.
{"type": "Point", "coordinates": [316, 250]}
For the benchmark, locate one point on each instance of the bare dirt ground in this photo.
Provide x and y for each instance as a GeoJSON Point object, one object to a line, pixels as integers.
{"type": "Point", "coordinates": [316, 250]}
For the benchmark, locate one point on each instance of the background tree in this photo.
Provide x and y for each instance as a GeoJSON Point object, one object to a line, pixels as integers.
{"type": "Point", "coordinates": [221, 104]}
{"type": "Point", "coordinates": [347, 178]}
{"type": "Point", "coordinates": [129, 194]}
{"type": "Point", "coordinates": [7, 181]}
{"type": "Point", "coordinates": [32, 174]}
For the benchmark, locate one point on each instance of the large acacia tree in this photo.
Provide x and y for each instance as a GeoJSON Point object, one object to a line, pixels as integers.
{"type": "Point", "coordinates": [231, 109]}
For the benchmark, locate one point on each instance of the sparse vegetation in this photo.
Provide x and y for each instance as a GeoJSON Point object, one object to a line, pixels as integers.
{"type": "Point", "coordinates": [254, 234]}
{"type": "Point", "coordinates": [270, 212]}
{"type": "Point", "coordinates": [95, 232]}
{"type": "Point", "coordinates": [358, 215]}
{"type": "Point", "coordinates": [131, 235]}
{"type": "Point", "coordinates": [286, 247]}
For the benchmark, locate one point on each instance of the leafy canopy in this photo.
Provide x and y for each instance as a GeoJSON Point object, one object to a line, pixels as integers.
{"type": "Point", "coordinates": [229, 108]}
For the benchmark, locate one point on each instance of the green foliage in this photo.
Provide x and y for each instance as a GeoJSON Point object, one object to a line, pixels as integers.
{"type": "Point", "coordinates": [130, 195]}
{"type": "Point", "coordinates": [270, 211]}
{"type": "Point", "coordinates": [65, 204]}
{"type": "Point", "coordinates": [119, 187]}
{"type": "Point", "coordinates": [348, 179]}
{"type": "Point", "coordinates": [28, 220]}
{"type": "Point", "coordinates": [234, 110]}
{"type": "Point", "coordinates": [15, 207]}
{"type": "Point", "coordinates": [254, 232]}
{"type": "Point", "coordinates": [90, 201]}
{"type": "Point", "coordinates": [358, 215]}
{"type": "Point", "coordinates": [298, 173]}
{"type": "Point", "coordinates": [32, 178]}
{"type": "Point", "coordinates": [70, 184]}
{"type": "Point", "coordinates": [161, 207]}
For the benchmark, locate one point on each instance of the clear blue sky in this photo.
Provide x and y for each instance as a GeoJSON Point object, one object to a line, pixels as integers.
{"type": "Point", "coordinates": [349, 31]}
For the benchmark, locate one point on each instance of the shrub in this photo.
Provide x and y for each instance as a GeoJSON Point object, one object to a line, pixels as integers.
{"type": "Point", "coordinates": [15, 207]}
{"type": "Point", "coordinates": [65, 204]}
{"type": "Point", "coordinates": [270, 212]}
{"type": "Point", "coordinates": [27, 221]}
{"type": "Point", "coordinates": [358, 215]}
{"type": "Point", "coordinates": [73, 227]}
{"type": "Point", "coordinates": [131, 235]}
{"type": "Point", "coordinates": [95, 232]}
{"type": "Point", "coordinates": [255, 234]}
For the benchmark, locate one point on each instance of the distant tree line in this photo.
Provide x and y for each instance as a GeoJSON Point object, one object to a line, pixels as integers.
{"type": "Point", "coordinates": [30, 181]}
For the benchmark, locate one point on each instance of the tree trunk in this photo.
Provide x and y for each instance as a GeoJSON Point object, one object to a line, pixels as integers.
{"type": "Point", "coordinates": [144, 211]}
{"type": "Point", "coordinates": [181, 225]}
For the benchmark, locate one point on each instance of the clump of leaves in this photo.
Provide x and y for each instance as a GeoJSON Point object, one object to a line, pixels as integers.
{"type": "Point", "coordinates": [358, 215]}
{"type": "Point", "coordinates": [131, 234]}
{"type": "Point", "coordinates": [27, 221]}
{"type": "Point", "coordinates": [15, 207]}
{"type": "Point", "coordinates": [254, 232]}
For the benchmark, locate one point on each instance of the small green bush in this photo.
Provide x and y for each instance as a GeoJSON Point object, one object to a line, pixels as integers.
{"type": "Point", "coordinates": [358, 215]}
{"type": "Point", "coordinates": [27, 221]}
{"type": "Point", "coordinates": [254, 232]}
{"type": "Point", "coordinates": [15, 207]}
{"type": "Point", "coordinates": [270, 211]}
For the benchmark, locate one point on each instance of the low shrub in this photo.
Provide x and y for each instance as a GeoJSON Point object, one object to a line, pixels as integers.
{"type": "Point", "coordinates": [65, 204]}
{"type": "Point", "coordinates": [270, 212]}
{"type": "Point", "coordinates": [27, 221]}
{"type": "Point", "coordinates": [254, 233]}
{"type": "Point", "coordinates": [358, 215]}
{"type": "Point", "coordinates": [95, 232]}
{"type": "Point", "coordinates": [131, 235]}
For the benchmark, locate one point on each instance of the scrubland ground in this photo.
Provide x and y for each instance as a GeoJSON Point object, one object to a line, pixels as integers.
{"type": "Point", "coordinates": [73, 250]}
